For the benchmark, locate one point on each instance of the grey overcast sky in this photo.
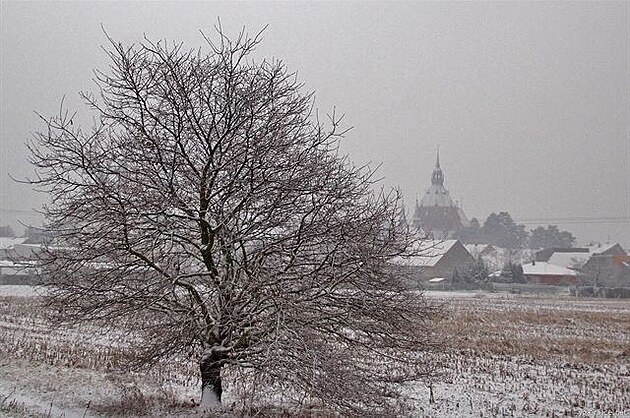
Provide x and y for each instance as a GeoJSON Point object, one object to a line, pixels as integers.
{"type": "Point", "coordinates": [529, 102]}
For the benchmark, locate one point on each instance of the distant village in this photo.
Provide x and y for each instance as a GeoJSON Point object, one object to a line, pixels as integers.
{"type": "Point", "coordinates": [455, 253]}
{"type": "Point", "coordinates": [464, 254]}
{"type": "Point", "coordinates": [18, 253]}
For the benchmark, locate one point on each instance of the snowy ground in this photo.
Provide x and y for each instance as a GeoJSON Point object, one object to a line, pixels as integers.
{"type": "Point", "coordinates": [19, 290]}
{"type": "Point", "coordinates": [509, 355]}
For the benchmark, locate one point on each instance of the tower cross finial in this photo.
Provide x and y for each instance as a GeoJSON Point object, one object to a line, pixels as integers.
{"type": "Point", "coordinates": [437, 163]}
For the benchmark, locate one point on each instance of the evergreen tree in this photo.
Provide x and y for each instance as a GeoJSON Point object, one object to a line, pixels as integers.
{"type": "Point", "coordinates": [477, 272]}
{"type": "Point", "coordinates": [471, 234]}
{"type": "Point", "coordinates": [517, 273]}
{"type": "Point", "coordinates": [501, 230]}
{"type": "Point", "coordinates": [513, 273]}
{"type": "Point", "coordinates": [550, 237]}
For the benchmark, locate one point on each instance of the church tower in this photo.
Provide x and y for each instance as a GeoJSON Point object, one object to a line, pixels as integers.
{"type": "Point", "coordinates": [436, 213]}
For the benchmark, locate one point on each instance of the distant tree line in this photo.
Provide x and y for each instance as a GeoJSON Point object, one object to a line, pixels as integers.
{"type": "Point", "coordinates": [500, 230]}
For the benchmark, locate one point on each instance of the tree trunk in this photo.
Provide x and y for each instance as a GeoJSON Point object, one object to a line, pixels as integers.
{"type": "Point", "coordinates": [211, 388]}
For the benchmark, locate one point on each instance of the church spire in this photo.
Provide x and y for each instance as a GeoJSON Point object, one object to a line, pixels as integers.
{"type": "Point", "coordinates": [437, 177]}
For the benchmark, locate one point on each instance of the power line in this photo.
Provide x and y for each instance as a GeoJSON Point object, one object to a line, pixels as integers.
{"type": "Point", "coordinates": [576, 220]}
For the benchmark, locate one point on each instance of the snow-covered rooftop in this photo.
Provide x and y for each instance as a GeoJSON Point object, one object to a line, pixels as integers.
{"type": "Point", "coordinates": [7, 243]}
{"type": "Point", "coordinates": [569, 260]}
{"type": "Point", "coordinates": [542, 268]}
{"type": "Point", "coordinates": [599, 248]}
{"type": "Point", "coordinates": [430, 252]}
{"type": "Point", "coordinates": [437, 195]}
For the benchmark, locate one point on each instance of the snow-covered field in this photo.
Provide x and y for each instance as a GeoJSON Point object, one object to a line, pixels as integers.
{"type": "Point", "coordinates": [518, 355]}
{"type": "Point", "coordinates": [507, 355]}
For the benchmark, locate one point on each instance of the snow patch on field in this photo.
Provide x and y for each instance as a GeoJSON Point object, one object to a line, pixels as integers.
{"type": "Point", "coordinates": [32, 390]}
{"type": "Point", "coordinates": [71, 392]}
{"type": "Point", "coordinates": [517, 387]}
{"type": "Point", "coordinates": [464, 294]}
{"type": "Point", "coordinates": [20, 290]}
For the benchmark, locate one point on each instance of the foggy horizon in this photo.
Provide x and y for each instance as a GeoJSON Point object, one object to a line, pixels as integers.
{"type": "Point", "coordinates": [529, 103]}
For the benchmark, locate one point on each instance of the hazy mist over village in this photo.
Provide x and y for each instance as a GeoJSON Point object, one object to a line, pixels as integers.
{"type": "Point", "coordinates": [306, 208]}
{"type": "Point", "coordinates": [528, 102]}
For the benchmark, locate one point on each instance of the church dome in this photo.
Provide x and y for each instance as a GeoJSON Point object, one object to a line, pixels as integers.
{"type": "Point", "coordinates": [436, 213]}
{"type": "Point", "coordinates": [436, 194]}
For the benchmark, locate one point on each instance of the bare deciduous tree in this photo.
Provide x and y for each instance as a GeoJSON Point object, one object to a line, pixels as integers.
{"type": "Point", "coordinates": [209, 210]}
